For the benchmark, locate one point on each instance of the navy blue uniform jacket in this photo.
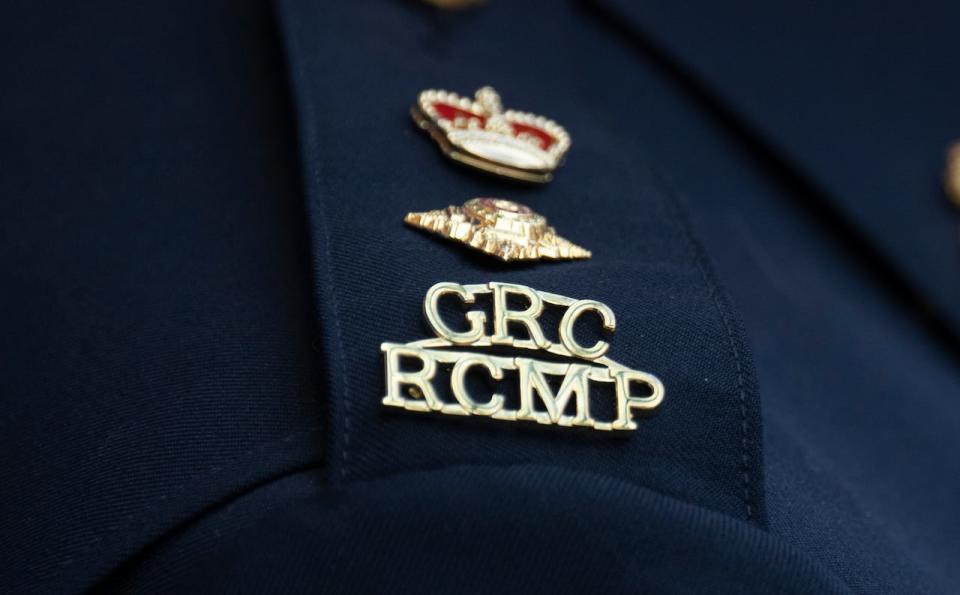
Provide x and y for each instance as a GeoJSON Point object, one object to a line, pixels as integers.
{"type": "Point", "coordinates": [202, 248]}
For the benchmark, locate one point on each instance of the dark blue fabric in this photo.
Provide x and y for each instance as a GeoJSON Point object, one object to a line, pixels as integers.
{"type": "Point", "coordinates": [202, 244]}
{"type": "Point", "coordinates": [451, 531]}
{"type": "Point", "coordinates": [157, 322]}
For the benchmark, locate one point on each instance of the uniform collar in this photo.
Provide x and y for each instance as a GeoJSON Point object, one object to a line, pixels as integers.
{"type": "Point", "coordinates": [856, 102]}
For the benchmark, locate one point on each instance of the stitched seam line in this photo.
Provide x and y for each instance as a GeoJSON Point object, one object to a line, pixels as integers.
{"type": "Point", "coordinates": [687, 233]}
{"type": "Point", "coordinates": [310, 155]}
{"type": "Point", "coordinates": [744, 458]}
{"type": "Point", "coordinates": [334, 306]}
{"type": "Point", "coordinates": [680, 220]}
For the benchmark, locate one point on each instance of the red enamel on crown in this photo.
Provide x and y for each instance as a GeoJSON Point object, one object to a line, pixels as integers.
{"type": "Point", "coordinates": [478, 132]}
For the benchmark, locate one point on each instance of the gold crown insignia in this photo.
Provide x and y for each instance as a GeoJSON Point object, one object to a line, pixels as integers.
{"type": "Point", "coordinates": [478, 132]}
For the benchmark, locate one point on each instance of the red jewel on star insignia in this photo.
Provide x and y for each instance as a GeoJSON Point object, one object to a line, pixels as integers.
{"type": "Point", "coordinates": [479, 133]}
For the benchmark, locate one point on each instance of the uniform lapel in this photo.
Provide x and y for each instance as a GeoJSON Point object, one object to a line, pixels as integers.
{"type": "Point", "coordinates": [356, 69]}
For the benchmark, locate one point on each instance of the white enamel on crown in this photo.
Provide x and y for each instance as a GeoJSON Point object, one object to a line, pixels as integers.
{"type": "Point", "coordinates": [508, 150]}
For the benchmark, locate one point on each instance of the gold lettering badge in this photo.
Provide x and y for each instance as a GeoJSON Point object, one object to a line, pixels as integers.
{"type": "Point", "coordinates": [430, 375]}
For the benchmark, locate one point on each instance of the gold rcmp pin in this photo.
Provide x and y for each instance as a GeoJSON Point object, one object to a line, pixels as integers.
{"type": "Point", "coordinates": [501, 228]}
{"type": "Point", "coordinates": [560, 388]}
{"type": "Point", "coordinates": [479, 133]}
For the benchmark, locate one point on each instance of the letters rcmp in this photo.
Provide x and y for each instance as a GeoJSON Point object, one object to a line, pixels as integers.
{"type": "Point", "coordinates": [569, 405]}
